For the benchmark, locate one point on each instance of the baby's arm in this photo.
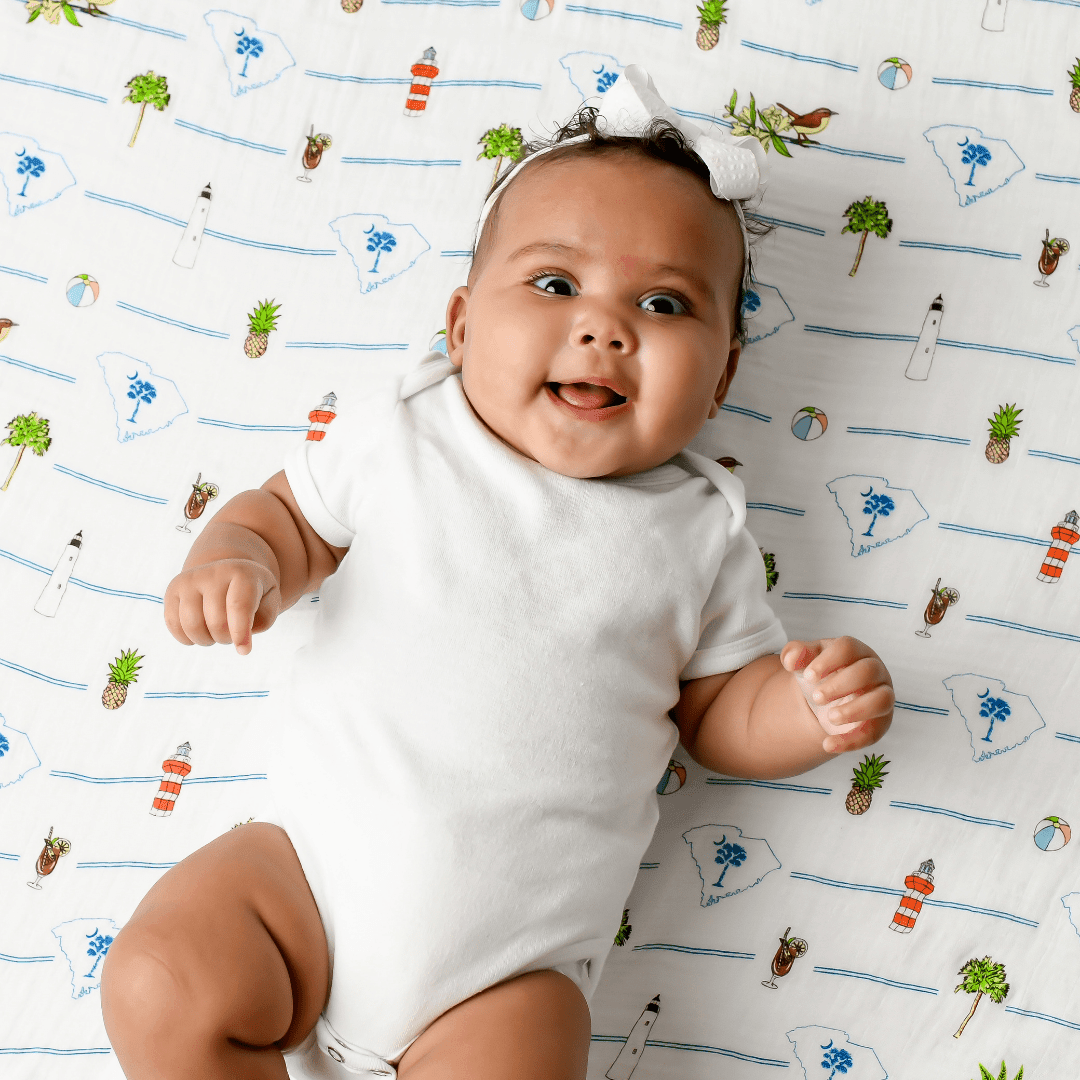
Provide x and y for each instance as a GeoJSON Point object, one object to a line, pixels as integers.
{"type": "Point", "coordinates": [256, 557]}
{"type": "Point", "coordinates": [756, 723]}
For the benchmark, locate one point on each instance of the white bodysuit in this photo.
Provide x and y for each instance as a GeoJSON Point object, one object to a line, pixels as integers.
{"type": "Point", "coordinates": [468, 764]}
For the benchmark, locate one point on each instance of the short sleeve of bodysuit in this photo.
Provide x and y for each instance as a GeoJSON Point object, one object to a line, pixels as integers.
{"type": "Point", "coordinates": [737, 623]}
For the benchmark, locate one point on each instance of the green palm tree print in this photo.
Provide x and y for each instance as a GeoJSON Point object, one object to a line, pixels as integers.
{"type": "Point", "coordinates": [866, 217]}
{"type": "Point", "coordinates": [148, 89]}
{"type": "Point", "coordinates": [27, 430]}
{"type": "Point", "coordinates": [498, 143]}
{"type": "Point", "coordinates": [981, 977]}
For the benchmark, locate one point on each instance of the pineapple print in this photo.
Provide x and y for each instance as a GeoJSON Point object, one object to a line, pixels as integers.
{"type": "Point", "coordinates": [351, 5]}
{"type": "Point", "coordinates": [711, 14]}
{"type": "Point", "coordinates": [260, 322]}
{"type": "Point", "coordinates": [1074, 78]}
{"type": "Point", "coordinates": [123, 672]}
{"type": "Point", "coordinates": [866, 777]}
{"type": "Point", "coordinates": [1003, 427]}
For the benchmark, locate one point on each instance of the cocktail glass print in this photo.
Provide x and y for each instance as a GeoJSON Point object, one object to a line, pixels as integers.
{"type": "Point", "coordinates": [783, 959]}
{"type": "Point", "coordinates": [48, 858]}
{"type": "Point", "coordinates": [316, 144]}
{"type": "Point", "coordinates": [200, 495]}
{"type": "Point", "coordinates": [940, 602]}
{"type": "Point", "coordinates": [1052, 250]}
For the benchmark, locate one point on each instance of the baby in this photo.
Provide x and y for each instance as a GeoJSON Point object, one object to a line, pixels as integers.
{"type": "Point", "coordinates": [530, 592]}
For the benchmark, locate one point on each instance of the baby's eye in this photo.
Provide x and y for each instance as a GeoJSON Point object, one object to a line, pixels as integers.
{"type": "Point", "coordinates": [663, 304]}
{"type": "Point", "coordinates": [555, 283]}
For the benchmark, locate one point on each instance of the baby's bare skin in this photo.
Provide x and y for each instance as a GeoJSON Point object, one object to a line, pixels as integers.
{"type": "Point", "coordinates": [605, 238]}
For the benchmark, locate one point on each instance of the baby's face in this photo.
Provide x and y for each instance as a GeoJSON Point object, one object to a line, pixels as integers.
{"type": "Point", "coordinates": [610, 278]}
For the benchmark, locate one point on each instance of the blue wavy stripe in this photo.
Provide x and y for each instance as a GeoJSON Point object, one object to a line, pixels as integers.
{"type": "Point", "coordinates": [743, 411]}
{"type": "Point", "coordinates": [467, 254]}
{"type": "Point", "coordinates": [53, 1051]}
{"type": "Point", "coordinates": [972, 531]}
{"type": "Point", "coordinates": [708, 118]}
{"type": "Point", "coordinates": [174, 34]}
{"type": "Point", "coordinates": [24, 273]}
{"type": "Point", "coordinates": [938, 80]}
{"type": "Point", "coordinates": [63, 774]}
{"type": "Point", "coordinates": [794, 511]}
{"type": "Point", "coordinates": [866, 335]}
{"type": "Point", "coordinates": [1055, 457]}
{"type": "Point", "coordinates": [157, 695]}
{"type": "Point", "coordinates": [702, 1048]}
{"type": "Point", "coordinates": [927, 902]}
{"type": "Point", "coordinates": [773, 785]}
{"type": "Point", "coordinates": [27, 959]}
{"type": "Point", "coordinates": [52, 86]}
{"type": "Point", "coordinates": [799, 56]}
{"type": "Point", "coordinates": [780, 223]}
{"type": "Point", "coordinates": [250, 427]}
{"type": "Point", "coordinates": [124, 306]}
{"type": "Point", "coordinates": [927, 245]}
{"type": "Point", "coordinates": [229, 138]}
{"type": "Point", "coordinates": [6, 855]}
{"type": "Point", "coordinates": [930, 709]}
{"type": "Point", "coordinates": [372, 81]}
{"type": "Point", "coordinates": [950, 439]}
{"type": "Point", "coordinates": [124, 864]}
{"type": "Point", "coordinates": [449, 3]}
{"type": "Point", "coordinates": [109, 487]}
{"type": "Point", "coordinates": [846, 599]}
{"type": "Point", "coordinates": [115, 592]}
{"type": "Point", "coordinates": [1066, 736]}
{"type": "Point", "coordinates": [1042, 1016]}
{"type": "Point", "coordinates": [876, 979]}
{"type": "Point", "coordinates": [695, 952]}
{"type": "Point", "coordinates": [971, 345]}
{"type": "Point", "coordinates": [38, 370]}
{"type": "Point", "coordinates": [39, 675]}
{"type": "Point", "coordinates": [125, 205]}
{"type": "Point", "coordinates": [953, 814]}
{"type": "Point", "coordinates": [25, 562]}
{"type": "Point", "coordinates": [624, 15]}
{"type": "Point", "coordinates": [648, 865]}
{"type": "Point", "coordinates": [1006, 624]}
{"type": "Point", "coordinates": [265, 245]}
{"type": "Point", "coordinates": [356, 345]}
{"type": "Point", "coordinates": [1058, 179]}
{"type": "Point", "coordinates": [872, 155]}
{"type": "Point", "coordinates": [396, 161]}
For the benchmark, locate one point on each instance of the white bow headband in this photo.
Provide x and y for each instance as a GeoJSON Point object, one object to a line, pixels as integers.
{"type": "Point", "coordinates": [737, 166]}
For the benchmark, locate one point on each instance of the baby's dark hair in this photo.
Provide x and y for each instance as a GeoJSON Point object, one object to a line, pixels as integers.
{"type": "Point", "coordinates": [660, 141]}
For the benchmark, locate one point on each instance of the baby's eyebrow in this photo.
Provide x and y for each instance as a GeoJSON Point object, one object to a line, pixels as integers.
{"type": "Point", "coordinates": [556, 248]}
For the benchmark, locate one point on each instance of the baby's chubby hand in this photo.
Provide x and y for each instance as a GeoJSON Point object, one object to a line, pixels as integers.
{"type": "Point", "coordinates": [832, 668]}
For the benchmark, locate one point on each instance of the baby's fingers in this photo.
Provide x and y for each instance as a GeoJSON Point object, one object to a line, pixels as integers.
{"type": "Point", "coordinates": [876, 706]}
{"type": "Point", "coordinates": [241, 603]}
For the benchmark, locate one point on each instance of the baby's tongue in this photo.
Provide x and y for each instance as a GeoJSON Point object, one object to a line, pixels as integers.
{"type": "Point", "coordinates": [586, 395]}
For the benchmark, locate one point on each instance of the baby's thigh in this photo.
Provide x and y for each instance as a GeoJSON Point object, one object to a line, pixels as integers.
{"type": "Point", "coordinates": [533, 1027]}
{"type": "Point", "coordinates": [227, 944]}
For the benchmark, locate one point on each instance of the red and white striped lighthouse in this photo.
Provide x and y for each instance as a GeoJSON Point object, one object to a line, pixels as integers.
{"type": "Point", "coordinates": [423, 72]}
{"type": "Point", "coordinates": [919, 886]}
{"type": "Point", "coordinates": [1065, 534]}
{"type": "Point", "coordinates": [175, 769]}
{"type": "Point", "coordinates": [321, 418]}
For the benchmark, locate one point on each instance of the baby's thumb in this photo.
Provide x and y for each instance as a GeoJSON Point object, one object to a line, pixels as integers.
{"type": "Point", "coordinates": [795, 655]}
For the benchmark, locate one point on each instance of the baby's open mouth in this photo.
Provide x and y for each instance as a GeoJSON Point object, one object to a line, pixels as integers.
{"type": "Point", "coordinates": [583, 395]}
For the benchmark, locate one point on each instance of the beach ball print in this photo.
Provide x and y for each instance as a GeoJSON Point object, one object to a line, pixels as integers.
{"type": "Point", "coordinates": [894, 73]}
{"type": "Point", "coordinates": [438, 343]}
{"type": "Point", "coordinates": [535, 10]}
{"type": "Point", "coordinates": [809, 424]}
{"type": "Point", "coordinates": [1052, 834]}
{"type": "Point", "coordinates": [673, 779]}
{"type": "Point", "coordinates": [82, 290]}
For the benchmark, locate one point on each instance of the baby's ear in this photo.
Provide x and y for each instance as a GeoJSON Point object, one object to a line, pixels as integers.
{"type": "Point", "coordinates": [455, 325]}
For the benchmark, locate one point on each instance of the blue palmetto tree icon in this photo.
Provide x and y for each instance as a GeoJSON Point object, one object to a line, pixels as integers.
{"type": "Point", "coordinates": [974, 154]}
{"type": "Point", "coordinates": [837, 1059]}
{"type": "Point", "coordinates": [380, 242]}
{"type": "Point", "coordinates": [141, 392]}
{"type": "Point", "coordinates": [876, 504]}
{"type": "Point", "coordinates": [32, 166]}
{"type": "Point", "coordinates": [727, 855]}
{"type": "Point", "coordinates": [5, 746]}
{"type": "Point", "coordinates": [248, 47]}
{"type": "Point", "coordinates": [751, 302]}
{"type": "Point", "coordinates": [98, 946]}
{"type": "Point", "coordinates": [996, 709]}
{"type": "Point", "coordinates": [604, 79]}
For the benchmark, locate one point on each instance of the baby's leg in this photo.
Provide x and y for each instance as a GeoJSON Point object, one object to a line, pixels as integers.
{"type": "Point", "coordinates": [222, 966]}
{"type": "Point", "coordinates": [533, 1027]}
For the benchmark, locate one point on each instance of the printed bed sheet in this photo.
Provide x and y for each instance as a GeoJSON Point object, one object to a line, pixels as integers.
{"type": "Point", "coordinates": [216, 222]}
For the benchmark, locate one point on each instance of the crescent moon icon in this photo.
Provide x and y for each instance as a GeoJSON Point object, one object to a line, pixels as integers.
{"type": "Point", "coordinates": [135, 376]}
{"type": "Point", "coordinates": [864, 494]}
{"type": "Point", "coordinates": [965, 142]}
{"type": "Point", "coordinates": [240, 32]}
{"type": "Point", "coordinates": [19, 153]}
{"type": "Point", "coordinates": [984, 693]}
{"type": "Point", "coordinates": [371, 230]}
{"type": "Point", "coordinates": [597, 71]}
